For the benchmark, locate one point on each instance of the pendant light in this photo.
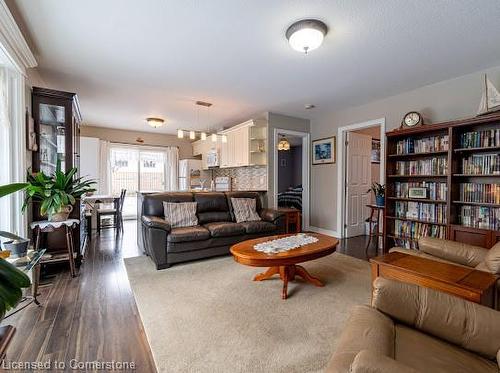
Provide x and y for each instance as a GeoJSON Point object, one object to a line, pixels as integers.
{"type": "Point", "coordinates": [180, 134]}
{"type": "Point", "coordinates": [283, 145]}
{"type": "Point", "coordinates": [192, 135]}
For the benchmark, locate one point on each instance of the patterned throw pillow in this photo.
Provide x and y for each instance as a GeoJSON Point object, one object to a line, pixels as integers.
{"type": "Point", "coordinates": [245, 209]}
{"type": "Point", "coordinates": [180, 214]}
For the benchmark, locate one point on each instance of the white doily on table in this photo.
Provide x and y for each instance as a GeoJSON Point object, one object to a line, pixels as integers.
{"type": "Point", "coordinates": [54, 224]}
{"type": "Point", "coordinates": [284, 244]}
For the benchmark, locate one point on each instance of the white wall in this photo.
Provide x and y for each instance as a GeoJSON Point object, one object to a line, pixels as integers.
{"type": "Point", "coordinates": [447, 100]}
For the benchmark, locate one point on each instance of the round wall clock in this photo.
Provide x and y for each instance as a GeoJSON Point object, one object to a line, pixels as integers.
{"type": "Point", "coordinates": [412, 119]}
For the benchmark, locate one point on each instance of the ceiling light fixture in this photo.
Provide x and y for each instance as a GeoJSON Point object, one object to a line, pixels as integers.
{"type": "Point", "coordinates": [306, 35]}
{"type": "Point", "coordinates": [283, 144]}
{"type": "Point", "coordinates": [155, 122]}
{"type": "Point", "coordinates": [310, 106]}
{"type": "Point", "coordinates": [192, 135]}
{"type": "Point", "coordinates": [180, 134]}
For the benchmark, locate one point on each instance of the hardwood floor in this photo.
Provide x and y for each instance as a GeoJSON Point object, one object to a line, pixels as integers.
{"type": "Point", "coordinates": [92, 317]}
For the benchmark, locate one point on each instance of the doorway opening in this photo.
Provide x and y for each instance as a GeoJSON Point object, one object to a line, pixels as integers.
{"type": "Point", "coordinates": [291, 172]}
{"type": "Point", "coordinates": [361, 158]}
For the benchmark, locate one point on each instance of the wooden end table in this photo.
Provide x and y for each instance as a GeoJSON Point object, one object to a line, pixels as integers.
{"type": "Point", "coordinates": [284, 263]}
{"type": "Point", "coordinates": [467, 283]}
{"type": "Point", "coordinates": [292, 218]}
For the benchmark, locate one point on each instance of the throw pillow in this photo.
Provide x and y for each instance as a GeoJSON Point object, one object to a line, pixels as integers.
{"type": "Point", "coordinates": [492, 259]}
{"type": "Point", "coordinates": [245, 209]}
{"type": "Point", "coordinates": [180, 214]}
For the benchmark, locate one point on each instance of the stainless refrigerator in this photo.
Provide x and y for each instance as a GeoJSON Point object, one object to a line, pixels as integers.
{"type": "Point", "coordinates": [189, 174]}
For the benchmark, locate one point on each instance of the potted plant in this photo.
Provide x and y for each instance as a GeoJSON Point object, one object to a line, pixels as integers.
{"type": "Point", "coordinates": [12, 280]}
{"type": "Point", "coordinates": [56, 193]}
{"type": "Point", "coordinates": [379, 192]}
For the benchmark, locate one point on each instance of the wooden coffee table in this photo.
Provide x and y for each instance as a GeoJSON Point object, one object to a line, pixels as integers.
{"type": "Point", "coordinates": [284, 263]}
{"type": "Point", "coordinates": [467, 283]}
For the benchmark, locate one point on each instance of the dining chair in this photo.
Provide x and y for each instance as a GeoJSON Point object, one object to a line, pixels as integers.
{"type": "Point", "coordinates": [115, 212]}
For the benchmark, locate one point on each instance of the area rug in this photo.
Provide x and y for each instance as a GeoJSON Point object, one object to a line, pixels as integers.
{"type": "Point", "coordinates": [209, 316]}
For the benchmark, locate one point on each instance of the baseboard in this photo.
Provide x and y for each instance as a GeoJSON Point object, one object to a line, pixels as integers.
{"type": "Point", "coordinates": [328, 232]}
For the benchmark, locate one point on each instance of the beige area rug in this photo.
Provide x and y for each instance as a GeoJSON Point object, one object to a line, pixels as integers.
{"type": "Point", "coordinates": [209, 316]}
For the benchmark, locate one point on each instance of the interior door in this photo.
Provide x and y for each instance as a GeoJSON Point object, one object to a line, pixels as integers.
{"type": "Point", "coordinates": [358, 180]}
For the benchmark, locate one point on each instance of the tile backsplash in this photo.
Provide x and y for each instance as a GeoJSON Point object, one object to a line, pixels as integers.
{"type": "Point", "coordinates": [243, 178]}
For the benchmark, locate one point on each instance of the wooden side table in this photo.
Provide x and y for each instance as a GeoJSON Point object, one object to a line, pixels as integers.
{"type": "Point", "coordinates": [292, 219]}
{"type": "Point", "coordinates": [50, 226]}
{"type": "Point", "coordinates": [378, 211]}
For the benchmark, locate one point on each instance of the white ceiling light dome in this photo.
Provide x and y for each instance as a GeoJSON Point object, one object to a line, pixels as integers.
{"type": "Point", "coordinates": [155, 122]}
{"type": "Point", "coordinates": [306, 35]}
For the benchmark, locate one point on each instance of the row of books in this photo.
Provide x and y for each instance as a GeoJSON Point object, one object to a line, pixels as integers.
{"type": "Point", "coordinates": [429, 212]}
{"type": "Point", "coordinates": [424, 145]}
{"type": "Point", "coordinates": [413, 230]}
{"type": "Point", "coordinates": [483, 193]}
{"type": "Point", "coordinates": [481, 164]}
{"type": "Point", "coordinates": [480, 139]}
{"type": "Point", "coordinates": [480, 217]}
{"type": "Point", "coordinates": [431, 166]}
{"type": "Point", "coordinates": [435, 190]}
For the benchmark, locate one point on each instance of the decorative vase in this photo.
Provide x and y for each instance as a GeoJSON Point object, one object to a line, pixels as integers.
{"type": "Point", "coordinates": [380, 200]}
{"type": "Point", "coordinates": [62, 214]}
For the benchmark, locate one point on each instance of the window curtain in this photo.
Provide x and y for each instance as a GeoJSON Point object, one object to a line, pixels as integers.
{"type": "Point", "coordinates": [104, 167]}
{"type": "Point", "coordinates": [5, 151]}
{"type": "Point", "coordinates": [171, 169]}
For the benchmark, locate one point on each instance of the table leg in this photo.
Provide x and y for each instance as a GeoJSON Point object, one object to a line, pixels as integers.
{"type": "Point", "coordinates": [271, 271]}
{"type": "Point", "coordinates": [284, 274]}
{"type": "Point", "coordinates": [69, 243]}
{"type": "Point", "coordinates": [35, 281]}
{"type": "Point", "coordinates": [370, 231]}
{"type": "Point", "coordinates": [378, 230]}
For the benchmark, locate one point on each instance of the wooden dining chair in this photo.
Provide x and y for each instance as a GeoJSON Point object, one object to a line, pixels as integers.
{"type": "Point", "coordinates": [115, 212]}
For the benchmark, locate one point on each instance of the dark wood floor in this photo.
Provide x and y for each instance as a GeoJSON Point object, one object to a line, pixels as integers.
{"type": "Point", "coordinates": [88, 318]}
{"type": "Point", "coordinates": [94, 316]}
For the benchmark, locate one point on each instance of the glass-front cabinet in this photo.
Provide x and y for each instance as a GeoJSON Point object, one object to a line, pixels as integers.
{"type": "Point", "coordinates": [57, 125]}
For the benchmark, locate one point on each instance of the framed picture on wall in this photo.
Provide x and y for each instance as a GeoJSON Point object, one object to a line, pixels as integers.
{"type": "Point", "coordinates": [324, 150]}
{"type": "Point", "coordinates": [375, 157]}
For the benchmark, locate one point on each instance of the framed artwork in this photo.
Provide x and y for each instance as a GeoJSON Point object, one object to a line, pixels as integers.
{"type": "Point", "coordinates": [375, 157]}
{"type": "Point", "coordinates": [324, 150]}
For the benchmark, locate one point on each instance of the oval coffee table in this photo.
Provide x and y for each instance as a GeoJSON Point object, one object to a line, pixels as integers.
{"type": "Point", "coordinates": [284, 263]}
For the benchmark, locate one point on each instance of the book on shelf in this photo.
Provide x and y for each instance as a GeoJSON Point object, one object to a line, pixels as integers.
{"type": "Point", "coordinates": [481, 164]}
{"type": "Point", "coordinates": [435, 190]}
{"type": "Point", "coordinates": [424, 145]}
{"type": "Point", "coordinates": [428, 212]}
{"type": "Point", "coordinates": [481, 217]}
{"type": "Point", "coordinates": [481, 139]}
{"type": "Point", "coordinates": [412, 231]}
{"type": "Point", "coordinates": [480, 193]}
{"type": "Point", "coordinates": [431, 166]}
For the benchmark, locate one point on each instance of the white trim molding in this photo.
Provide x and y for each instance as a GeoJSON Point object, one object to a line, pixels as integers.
{"type": "Point", "coordinates": [13, 41]}
{"type": "Point", "coordinates": [341, 166]}
{"type": "Point", "coordinates": [328, 232]}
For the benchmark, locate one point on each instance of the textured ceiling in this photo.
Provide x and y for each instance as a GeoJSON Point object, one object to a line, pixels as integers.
{"type": "Point", "coordinates": [130, 59]}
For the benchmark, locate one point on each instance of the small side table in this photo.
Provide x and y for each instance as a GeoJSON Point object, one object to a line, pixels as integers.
{"type": "Point", "coordinates": [50, 226]}
{"type": "Point", "coordinates": [292, 218]}
{"type": "Point", "coordinates": [378, 211]}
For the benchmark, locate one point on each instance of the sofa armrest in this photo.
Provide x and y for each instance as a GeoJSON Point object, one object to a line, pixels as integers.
{"type": "Point", "coordinates": [156, 222]}
{"type": "Point", "coordinates": [369, 362]}
{"type": "Point", "coordinates": [271, 215]}
{"type": "Point", "coordinates": [457, 252]}
{"type": "Point", "coordinates": [366, 329]}
{"type": "Point", "coordinates": [473, 327]}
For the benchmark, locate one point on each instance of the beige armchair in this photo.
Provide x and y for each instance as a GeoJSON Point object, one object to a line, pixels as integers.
{"type": "Point", "coordinates": [459, 253]}
{"type": "Point", "coordinates": [414, 329]}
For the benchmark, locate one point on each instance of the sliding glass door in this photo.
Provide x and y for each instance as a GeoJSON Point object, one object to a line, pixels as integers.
{"type": "Point", "coordinates": [135, 169]}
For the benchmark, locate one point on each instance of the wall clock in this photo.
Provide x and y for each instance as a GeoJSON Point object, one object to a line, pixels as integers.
{"type": "Point", "coordinates": [412, 119]}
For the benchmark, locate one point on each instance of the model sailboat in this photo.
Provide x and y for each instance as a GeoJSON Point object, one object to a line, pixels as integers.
{"type": "Point", "coordinates": [490, 101]}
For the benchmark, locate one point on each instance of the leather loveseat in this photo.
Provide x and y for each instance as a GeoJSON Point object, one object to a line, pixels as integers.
{"type": "Point", "coordinates": [216, 232]}
{"type": "Point", "coordinates": [461, 254]}
{"type": "Point", "coordinates": [412, 329]}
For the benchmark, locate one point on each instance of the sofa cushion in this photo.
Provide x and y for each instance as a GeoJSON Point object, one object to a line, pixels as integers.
{"type": "Point", "coordinates": [186, 234]}
{"type": "Point", "coordinates": [255, 227]}
{"type": "Point", "coordinates": [428, 354]}
{"type": "Point", "coordinates": [224, 229]}
{"type": "Point", "coordinates": [255, 195]}
{"type": "Point", "coordinates": [457, 252]}
{"type": "Point", "coordinates": [492, 259]}
{"type": "Point", "coordinates": [244, 209]}
{"type": "Point", "coordinates": [181, 214]}
{"type": "Point", "coordinates": [152, 204]}
{"type": "Point", "coordinates": [212, 207]}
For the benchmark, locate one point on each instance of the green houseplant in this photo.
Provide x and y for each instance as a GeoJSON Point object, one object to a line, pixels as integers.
{"type": "Point", "coordinates": [12, 280]}
{"type": "Point", "coordinates": [56, 193]}
{"type": "Point", "coordinates": [379, 192]}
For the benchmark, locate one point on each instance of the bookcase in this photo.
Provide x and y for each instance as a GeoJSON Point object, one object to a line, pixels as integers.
{"type": "Point", "coordinates": [453, 172]}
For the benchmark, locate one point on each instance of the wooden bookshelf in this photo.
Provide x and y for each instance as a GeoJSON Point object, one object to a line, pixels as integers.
{"type": "Point", "coordinates": [465, 138]}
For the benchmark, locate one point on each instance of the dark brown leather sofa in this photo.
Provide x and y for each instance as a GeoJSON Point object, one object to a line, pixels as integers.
{"type": "Point", "coordinates": [216, 232]}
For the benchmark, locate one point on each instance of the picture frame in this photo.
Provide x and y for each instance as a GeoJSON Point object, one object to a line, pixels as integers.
{"type": "Point", "coordinates": [375, 154]}
{"type": "Point", "coordinates": [324, 150]}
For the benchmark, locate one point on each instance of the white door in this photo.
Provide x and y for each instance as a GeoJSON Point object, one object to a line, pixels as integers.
{"type": "Point", "coordinates": [358, 180]}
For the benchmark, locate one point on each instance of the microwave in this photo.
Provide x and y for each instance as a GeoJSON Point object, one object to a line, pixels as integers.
{"type": "Point", "coordinates": [213, 158]}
